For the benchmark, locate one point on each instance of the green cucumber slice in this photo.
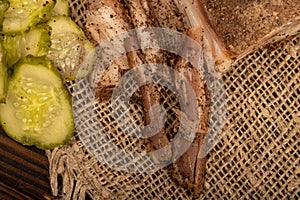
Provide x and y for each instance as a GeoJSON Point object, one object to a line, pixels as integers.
{"type": "Point", "coordinates": [36, 42]}
{"type": "Point", "coordinates": [38, 108]}
{"type": "Point", "coordinates": [3, 75]}
{"type": "Point", "coordinates": [4, 4]}
{"type": "Point", "coordinates": [61, 8]}
{"type": "Point", "coordinates": [23, 14]}
{"type": "Point", "coordinates": [70, 51]}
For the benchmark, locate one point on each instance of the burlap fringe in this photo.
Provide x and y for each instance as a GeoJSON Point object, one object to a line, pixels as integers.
{"type": "Point", "coordinates": [66, 179]}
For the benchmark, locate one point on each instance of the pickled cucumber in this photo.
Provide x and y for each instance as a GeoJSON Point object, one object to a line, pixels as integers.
{"type": "Point", "coordinates": [23, 14]}
{"type": "Point", "coordinates": [35, 42]}
{"type": "Point", "coordinates": [3, 74]}
{"type": "Point", "coordinates": [38, 109]}
{"type": "Point", "coordinates": [70, 51]}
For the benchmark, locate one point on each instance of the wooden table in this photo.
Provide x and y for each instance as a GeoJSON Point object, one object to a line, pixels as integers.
{"type": "Point", "coordinates": [23, 171]}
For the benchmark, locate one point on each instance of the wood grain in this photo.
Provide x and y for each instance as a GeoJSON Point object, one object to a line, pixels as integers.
{"type": "Point", "coordinates": [23, 171]}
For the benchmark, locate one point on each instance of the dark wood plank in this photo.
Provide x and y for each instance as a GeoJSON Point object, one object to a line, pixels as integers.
{"type": "Point", "coordinates": [7, 192]}
{"type": "Point", "coordinates": [24, 171]}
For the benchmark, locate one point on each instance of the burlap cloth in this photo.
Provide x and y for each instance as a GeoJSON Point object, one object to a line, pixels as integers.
{"type": "Point", "coordinates": [256, 157]}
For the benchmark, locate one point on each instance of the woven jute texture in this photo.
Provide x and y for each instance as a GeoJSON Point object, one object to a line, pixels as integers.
{"type": "Point", "coordinates": [256, 157]}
